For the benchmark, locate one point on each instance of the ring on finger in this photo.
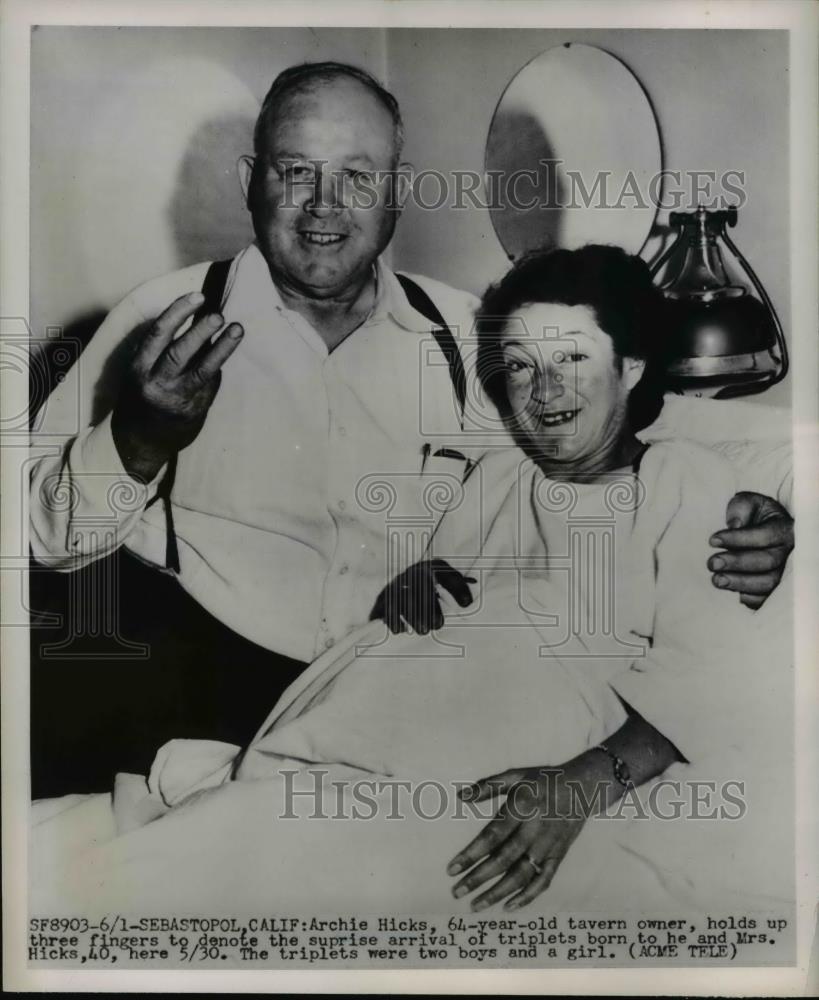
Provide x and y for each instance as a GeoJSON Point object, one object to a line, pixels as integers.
{"type": "Point", "coordinates": [533, 863]}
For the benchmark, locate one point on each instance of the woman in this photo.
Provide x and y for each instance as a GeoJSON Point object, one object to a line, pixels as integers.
{"type": "Point", "coordinates": [589, 648]}
{"type": "Point", "coordinates": [571, 355]}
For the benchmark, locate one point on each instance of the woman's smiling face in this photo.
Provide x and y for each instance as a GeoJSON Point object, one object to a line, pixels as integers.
{"type": "Point", "coordinates": [567, 389]}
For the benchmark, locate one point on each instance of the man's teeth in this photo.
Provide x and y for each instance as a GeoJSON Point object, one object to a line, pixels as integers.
{"type": "Point", "coordinates": [322, 238]}
{"type": "Point", "coordinates": [553, 419]}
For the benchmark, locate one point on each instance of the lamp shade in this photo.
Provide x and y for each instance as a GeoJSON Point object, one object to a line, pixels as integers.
{"type": "Point", "coordinates": [722, 340]}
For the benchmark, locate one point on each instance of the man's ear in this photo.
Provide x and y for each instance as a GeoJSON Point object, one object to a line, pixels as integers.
{"type": "Point", "coordinates": [403, 178]}
{"type": "Point", "coordinates": [633, 369]}
{"type": "Point", "coordinates": [245, 170]}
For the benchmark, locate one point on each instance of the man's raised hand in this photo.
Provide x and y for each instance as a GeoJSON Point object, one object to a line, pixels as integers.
{"type": "Point", "coordinates": [169, 387]}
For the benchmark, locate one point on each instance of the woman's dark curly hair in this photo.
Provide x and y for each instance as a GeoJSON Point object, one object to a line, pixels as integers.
{"type": "Point", "coordinates": [614, 284]}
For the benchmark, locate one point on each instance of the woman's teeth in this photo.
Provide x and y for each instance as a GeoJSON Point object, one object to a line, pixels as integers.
{"type": "Point", "coordinates": [555, 419]}
{"type": "Point", "coordinates": [323, 239]}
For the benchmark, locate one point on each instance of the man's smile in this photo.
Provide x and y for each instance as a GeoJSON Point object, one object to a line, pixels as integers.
{"type": "Point", "coordinates": [322, 239]}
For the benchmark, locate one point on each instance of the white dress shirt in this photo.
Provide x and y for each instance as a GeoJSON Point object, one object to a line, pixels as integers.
{"type": "Point", "coordinates": [302, 495]}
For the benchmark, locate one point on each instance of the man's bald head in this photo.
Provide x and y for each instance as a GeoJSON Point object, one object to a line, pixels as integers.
{"type": "Point", "coordinates": [309, 77]}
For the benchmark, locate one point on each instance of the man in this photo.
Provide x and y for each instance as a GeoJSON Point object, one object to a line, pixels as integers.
{"type": "Point", "coordinates": [258, 466]}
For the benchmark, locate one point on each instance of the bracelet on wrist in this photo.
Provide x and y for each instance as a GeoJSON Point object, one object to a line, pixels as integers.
{"type": "Point", "coordinates": [621, 769]}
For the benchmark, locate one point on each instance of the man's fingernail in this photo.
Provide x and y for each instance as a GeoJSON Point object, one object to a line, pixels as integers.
{"type": "Point", "coordinates": [720, 581]}
{"type": "Point", "coordinates": [734, 522]}
{"type": "Point", "coordinates": [513, 904]}
{"type": "Point", "coordinates": [454, 867]}
{"type": "Point", "coordinates": [235, 332]}
{"type": "Point", "coordinates": [480, 905]}
{"type": "Point", "coordinates": [195, 298]}
{"type": "Point", "coordinates": [717, 563]}
{"type": "Point", "coordinates": [459, 891]}
{"type": "Point", "coordinates": [715, 541]}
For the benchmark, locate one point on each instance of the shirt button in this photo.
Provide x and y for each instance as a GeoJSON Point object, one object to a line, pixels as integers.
{"type": "Point", "coordinates": [344, 569]}
{"type": "Point", "coordinates": [342, 431]}
{"type": "Point", "coordinates": [342, 505]}
{"type": "Point", "coordinates": [329, 642]}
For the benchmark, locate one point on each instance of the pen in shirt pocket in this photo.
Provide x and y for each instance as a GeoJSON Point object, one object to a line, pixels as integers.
{"type": "Point", "coordinates": [457, 456]}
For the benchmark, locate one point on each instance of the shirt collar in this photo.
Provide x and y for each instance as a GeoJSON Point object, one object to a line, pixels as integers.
{"type": "Point", "coordinates": [391, 300]}
{"type": "Point", "coordinates": [252, 273]}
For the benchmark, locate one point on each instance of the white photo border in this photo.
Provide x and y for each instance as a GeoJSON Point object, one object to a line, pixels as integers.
{"type": "Point", "coordinates": [801, 20]}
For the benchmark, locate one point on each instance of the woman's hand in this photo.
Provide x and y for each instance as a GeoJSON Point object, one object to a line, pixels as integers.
{"type": "Point", "coordinates": [411, 599]}
{"type": "Point", "coordinates": [545, 810]}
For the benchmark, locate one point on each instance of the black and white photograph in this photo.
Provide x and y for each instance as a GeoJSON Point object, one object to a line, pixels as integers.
{"type": "Point", "coordinates": [409, 491]}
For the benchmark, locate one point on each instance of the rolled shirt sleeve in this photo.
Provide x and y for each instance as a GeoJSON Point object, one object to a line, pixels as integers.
{"type": "Point", "coordinates": [85, 505]}
{"type": "Point", "coordinates": [82, 502]}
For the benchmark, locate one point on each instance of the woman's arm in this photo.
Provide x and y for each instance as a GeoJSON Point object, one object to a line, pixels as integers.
{"type": "Point", "coordinates": [686, 698]}
{"type": "Point", "coordinates": [546, 808]}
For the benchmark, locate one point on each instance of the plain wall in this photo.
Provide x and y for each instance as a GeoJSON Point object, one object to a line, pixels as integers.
{"type": "Point", "coordinates": [135, 133]}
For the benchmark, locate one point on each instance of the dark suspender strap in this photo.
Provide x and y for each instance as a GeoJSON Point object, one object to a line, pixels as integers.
{"type": "Point", "coordinates": [213, 288]}
{"type": "Point", "coordinates": [422, 303]}
{"type": "Point", "coordinates": [164, 491]}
